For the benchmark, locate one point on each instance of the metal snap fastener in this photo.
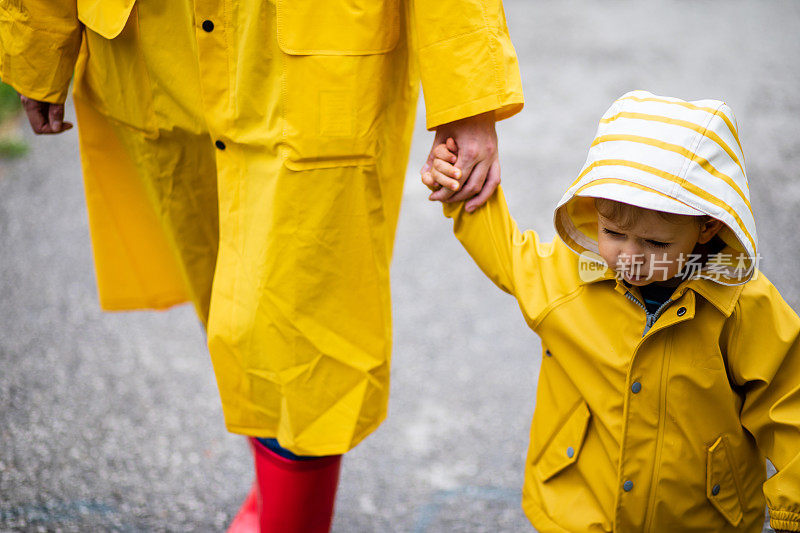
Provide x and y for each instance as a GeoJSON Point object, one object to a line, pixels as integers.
{"type": "Point", "coordinates": [570, 452]}
{"type": "Point", "coordinates": [208, 26]}
{"type": "Point", "coordinates": [715, 490]}
{"type": "Point", "coordinates": [636, 387]}
{"type": "Point", "coordinates": [547, 353]}
{"type": "Point", "coordinates": [681, 311]}
{"type": "Point", "coordinates": [628, 486]}
{"type": "Point", "coordinates": [220, 145]}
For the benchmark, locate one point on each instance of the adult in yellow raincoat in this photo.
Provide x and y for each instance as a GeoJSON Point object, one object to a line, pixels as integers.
{"type": "Point", "coordinates": [653, 418]}
{"type": "Point", "coordinates": [248, 156]}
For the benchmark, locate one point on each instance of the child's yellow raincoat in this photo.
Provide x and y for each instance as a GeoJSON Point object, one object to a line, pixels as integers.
{"type": "Point", "coordinates": [658, 425]}
{"type": "Point", "coordinates": [261, 145]}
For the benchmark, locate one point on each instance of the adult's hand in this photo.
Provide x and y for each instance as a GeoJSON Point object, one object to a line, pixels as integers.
{"type": "Point", "coordinates": [45, 118]}
{"type": "Point", "coordinates": [478, 160]}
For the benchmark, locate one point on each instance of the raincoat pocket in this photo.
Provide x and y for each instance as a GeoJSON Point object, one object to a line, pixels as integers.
{"type": "Point", "coordinates": [334, 109]}
{"type": "Point", "coordinates": [338, 27]}
{"type": "Point", "coordinates": [106, 17]}
{"type": "Point", "coordinates": [722, 483]}
{"type": "Point", "coordinates": [336, 79]}
{"type": "Point", "coordinates": [565, 444]}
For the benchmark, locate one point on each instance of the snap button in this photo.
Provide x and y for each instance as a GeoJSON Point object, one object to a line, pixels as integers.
{"type": "Point", "coordinates": [570, 452]}
{"type": "Point", "coordinates": [628, 486]}
{"type": "Point", "coordinates": [715, 490]}
{"type": "Point", "coordinates": [547, 353]}
{"type": "Point", "coordinates": [220, 145]}
{"type": "Point", "coordinates": [208, 26]}
{"type": "Point", "coordinates": [681, 311]}
{"type": "Point", "coordinates": [636, 387]}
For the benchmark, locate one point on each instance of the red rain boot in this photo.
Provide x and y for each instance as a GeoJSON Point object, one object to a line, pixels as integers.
{"type": "Point", "coordinates": [246, 520]}
{"type": "Point", "coordinates": [291, 496]}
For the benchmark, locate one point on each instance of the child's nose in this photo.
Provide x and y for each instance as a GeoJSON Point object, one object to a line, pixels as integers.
{"type": "Point", "coordinates": [633, 253]}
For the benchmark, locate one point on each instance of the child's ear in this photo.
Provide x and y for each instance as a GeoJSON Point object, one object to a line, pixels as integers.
{"type": "Point", "coordinates": [708, 229]}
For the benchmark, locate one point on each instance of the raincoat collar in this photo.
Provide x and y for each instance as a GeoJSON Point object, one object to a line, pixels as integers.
{"type": "Point", "coordinates": [721, 296]}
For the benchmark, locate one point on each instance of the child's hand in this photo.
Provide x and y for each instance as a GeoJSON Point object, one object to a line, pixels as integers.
{"type": "Point", "coordinates": [443, 172]}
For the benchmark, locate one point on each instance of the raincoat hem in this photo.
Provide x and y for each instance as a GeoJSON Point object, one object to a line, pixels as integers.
{"type": "Point", "coordinates": [158, 303]}
{"type": "Point", "coordinates": [539, 520]}
{"type": "Point", "coordinates": [261, 433]}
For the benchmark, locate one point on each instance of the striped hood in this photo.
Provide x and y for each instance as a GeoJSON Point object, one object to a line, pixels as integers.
{"type": "Point", "coordinates": [666, 154]}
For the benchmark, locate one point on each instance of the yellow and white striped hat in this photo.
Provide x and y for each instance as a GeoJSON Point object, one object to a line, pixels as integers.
{"type": "Point", "coordinates": [669, 155]}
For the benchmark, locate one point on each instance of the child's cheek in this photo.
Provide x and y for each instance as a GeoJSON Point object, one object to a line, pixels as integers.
{"type": "Point", "coordinates": [606, 252]}
{"type": "Point", "coordinates": [671, 266]}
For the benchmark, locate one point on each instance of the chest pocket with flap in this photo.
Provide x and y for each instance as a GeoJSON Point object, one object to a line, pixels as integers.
{"type": "Point", "coordinates": [337, 27]}
{"type": "Point", "coordinates": [336, 69]}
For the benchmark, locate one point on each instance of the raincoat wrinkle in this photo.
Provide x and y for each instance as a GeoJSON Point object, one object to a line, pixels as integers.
{"type": "Point", "coordinates": [660, 427]}
{"type": "Point", "coordinates": [249, 157]}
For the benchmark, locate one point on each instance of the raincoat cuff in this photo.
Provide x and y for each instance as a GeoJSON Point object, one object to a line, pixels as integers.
{"type": "Point", "coordinates": [786, 520]}
{"type": "Point", "coordinates": [452, 210]}
{"type": "Point", "coordinates": [488, 78]}
{"type": "Point", "coordinates": [38, 63]}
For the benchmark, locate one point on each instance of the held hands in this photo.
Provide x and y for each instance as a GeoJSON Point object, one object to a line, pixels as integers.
{"type": "Point", "coordinates": [45, 118]}
{"type": "Point", "coordinates": [476, 159]}
{"type": "Point", "coordinates": [443, 173]}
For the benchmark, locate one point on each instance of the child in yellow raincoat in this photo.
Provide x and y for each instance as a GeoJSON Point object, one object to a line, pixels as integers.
{"type": "Point", "coordinates": [671, 365]}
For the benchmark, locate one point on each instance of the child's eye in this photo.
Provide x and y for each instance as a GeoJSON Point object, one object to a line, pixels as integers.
{"type": "Point", "coordinates": [612, 233]}
{"type": "Point", "coordinates": [658, 244]}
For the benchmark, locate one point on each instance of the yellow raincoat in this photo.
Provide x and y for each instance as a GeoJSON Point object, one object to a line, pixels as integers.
{"type": "Point", "coordinates": [249, 156]}
{"type": "Point", "coordinates": [652, 422]}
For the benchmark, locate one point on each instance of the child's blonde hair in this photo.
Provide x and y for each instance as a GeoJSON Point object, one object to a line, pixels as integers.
{"type": "Point", "coordinates": [624, 215]}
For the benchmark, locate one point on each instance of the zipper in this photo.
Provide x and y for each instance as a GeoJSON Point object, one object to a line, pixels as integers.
{"type": "Point", "coordinates": [650, 319]}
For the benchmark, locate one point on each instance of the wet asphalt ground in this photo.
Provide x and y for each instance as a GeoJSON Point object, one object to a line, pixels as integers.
{"type": "Point", "coordinates": [112, 422]}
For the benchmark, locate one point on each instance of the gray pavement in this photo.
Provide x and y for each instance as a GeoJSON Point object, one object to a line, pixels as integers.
{"type": "Point", "coordinates": [111, 422]}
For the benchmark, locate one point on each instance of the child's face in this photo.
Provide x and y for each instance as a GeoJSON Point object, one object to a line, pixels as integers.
{"type": "Point", "coordinates": [651, 248]}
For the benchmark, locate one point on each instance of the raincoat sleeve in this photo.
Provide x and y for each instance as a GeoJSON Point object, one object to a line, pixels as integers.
{"type": "Point", "coordinates": [467, 63]}
{"type": "Point", "coordinates": [39, 43]}
{"type": "Point", "coordinates": [534, 272]}
{"type": "Point", "coordinates": [764, 360]}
